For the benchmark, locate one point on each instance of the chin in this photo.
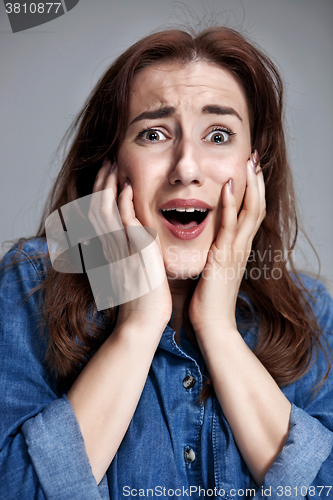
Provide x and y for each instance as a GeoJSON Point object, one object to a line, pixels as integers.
{"type": "Point", "coordinates": [183, 263]}
{"type": "Point", "coordinates": [183, 272]}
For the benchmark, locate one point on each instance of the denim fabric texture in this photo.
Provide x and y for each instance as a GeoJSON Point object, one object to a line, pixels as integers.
{"type": "Point", "coordinates": [175, 447]}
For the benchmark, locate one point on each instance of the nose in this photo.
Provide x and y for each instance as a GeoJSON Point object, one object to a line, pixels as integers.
{"type": "Point", "coordinates": [186, 164]}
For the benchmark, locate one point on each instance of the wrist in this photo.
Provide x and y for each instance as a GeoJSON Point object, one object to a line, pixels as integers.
{"type": "Point", "coordinates": [140, 329]}
{"type": "Point", "coordinates": [216, 335]}
{"type": "Point", "coordinates": [216, 327]}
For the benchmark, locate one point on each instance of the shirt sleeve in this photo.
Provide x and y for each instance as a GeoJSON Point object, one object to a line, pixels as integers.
{"type": "Point", "coordinates": [305, 464]}
{"type": "Point", "coordinates": [42, 452]}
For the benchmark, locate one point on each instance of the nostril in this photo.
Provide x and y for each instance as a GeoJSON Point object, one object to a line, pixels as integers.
{"type": "Point", "coordinates": [179, 181]}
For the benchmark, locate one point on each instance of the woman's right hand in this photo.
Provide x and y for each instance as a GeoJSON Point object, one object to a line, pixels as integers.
{"type": "Point", "coordinates": [155, 306]}
{"type": "Point", "coordinates": [106, 393]}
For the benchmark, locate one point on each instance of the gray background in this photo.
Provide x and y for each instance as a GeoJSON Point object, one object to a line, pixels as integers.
{"type": "Point", "coordinates": [47, 72]}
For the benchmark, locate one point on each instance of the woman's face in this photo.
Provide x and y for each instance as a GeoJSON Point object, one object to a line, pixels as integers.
{"type": "Point", "coordinates": [188, 134]}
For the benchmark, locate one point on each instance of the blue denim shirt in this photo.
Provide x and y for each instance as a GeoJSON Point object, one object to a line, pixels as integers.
{"type": "Point", "coordinates": [174, 446]}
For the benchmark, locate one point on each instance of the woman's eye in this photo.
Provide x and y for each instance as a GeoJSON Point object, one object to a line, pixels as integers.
{"type": "Point", "coordinates": [218, 136]}
{"type": "Point", "coordinates": [152, 135]}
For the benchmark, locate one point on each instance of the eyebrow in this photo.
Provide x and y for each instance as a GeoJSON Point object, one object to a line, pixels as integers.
{"type": "Point", "coordinates": [154, 114]}
{"type": "Point", "coordinates": [213, 109]}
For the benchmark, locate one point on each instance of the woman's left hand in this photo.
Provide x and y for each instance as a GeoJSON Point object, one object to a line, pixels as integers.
{"type": "Point", "coordinates": [214, 299]}
{"type": "Point", "coordinates": [256, 409]}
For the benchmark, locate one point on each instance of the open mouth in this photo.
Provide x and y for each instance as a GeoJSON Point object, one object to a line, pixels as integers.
{"type": "Point", "coordinates": [185, 218]}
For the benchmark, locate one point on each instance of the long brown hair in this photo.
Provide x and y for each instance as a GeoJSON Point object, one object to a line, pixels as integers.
{"type": "Point", "coordinates": [288, 331]}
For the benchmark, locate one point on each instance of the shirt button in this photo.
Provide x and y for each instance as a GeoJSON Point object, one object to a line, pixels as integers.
{"type": "Point", "coordinates": [189, 382]}
{"type": "Point", "coordinates": [189, 455]}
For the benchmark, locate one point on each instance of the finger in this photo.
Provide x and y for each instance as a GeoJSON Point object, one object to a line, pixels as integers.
{"type": "Point", "coordinates": [227, 231]}
{"type": "Point", "coordinates": [248, 218]}
{"type": "Point", "coordinates": [126, 206]}
{"type": "Point", "coordinates": [262, 197]}
{"type": "Point", "coordinates": [108, 209]}
{"type": "Point", "coordinates": [262, 200]}
{"type": "Point", "coordinates": [104, 214]}
{"type": "Point", "coordinates": [138, 237]}
{"type": "Point", "coordinates": [95, 200]}
{"type": "Point", "coordinates": [111, 180]}
{"type": "Point", "coordinates": [103, 207]}
{"type": "Point", "coordinates": [102, 175]}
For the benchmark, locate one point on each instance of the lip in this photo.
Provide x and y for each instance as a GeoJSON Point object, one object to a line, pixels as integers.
{"type": "Point", "coordinates": [193, 232]}
{"type": "Point", "coordinates": [179, 202]}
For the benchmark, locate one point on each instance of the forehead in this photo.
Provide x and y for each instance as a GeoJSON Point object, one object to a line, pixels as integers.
{"type": "Point", "coordinates": [186, 86]}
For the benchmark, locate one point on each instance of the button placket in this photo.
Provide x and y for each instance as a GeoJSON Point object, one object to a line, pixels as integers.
{"type": "Point", "coordinates": [189, 381]}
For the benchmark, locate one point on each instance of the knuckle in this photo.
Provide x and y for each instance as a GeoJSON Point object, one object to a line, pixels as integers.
{"type": "Point", "coordinates": [125, 219]}
{"type": "Point", "coordinates": [231, 228]}
{"type": "Point", "coordinates": [256, 213]}
{"type": "Point", "coordinates": [103, 211]}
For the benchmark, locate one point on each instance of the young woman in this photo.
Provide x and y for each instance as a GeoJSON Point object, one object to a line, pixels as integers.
{"type": "Point", "coordinates": [217, 381]}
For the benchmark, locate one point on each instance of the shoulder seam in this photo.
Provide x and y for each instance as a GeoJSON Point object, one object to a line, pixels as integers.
{"type": "Point", "coordinates": [37, 271]}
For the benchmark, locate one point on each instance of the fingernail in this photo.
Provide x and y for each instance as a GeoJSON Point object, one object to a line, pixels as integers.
{"type": "Point", "coordinates": [253, 164]}
{"type": "Point", "coordinates": [256, 156]}
{"type": "Point", "coordinates": [231, 185]}
{"type": "Point", "coordinates": [113, 166]}
{"type": "Point", "coordinates": [126, 183]}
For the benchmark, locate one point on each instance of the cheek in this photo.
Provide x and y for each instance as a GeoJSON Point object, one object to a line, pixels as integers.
{"type": "Point", "coordinates": [137, 165]}
{"type": "Point", "coordinates": [136, 169]}
{"type": "Point", "coordinates": [125, 163]}
{"type": "Point", "coordinates": [237, 171]}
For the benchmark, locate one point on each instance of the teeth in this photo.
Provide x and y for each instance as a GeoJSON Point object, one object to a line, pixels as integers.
{"type": "Point", "coordinates": [183, 209]}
